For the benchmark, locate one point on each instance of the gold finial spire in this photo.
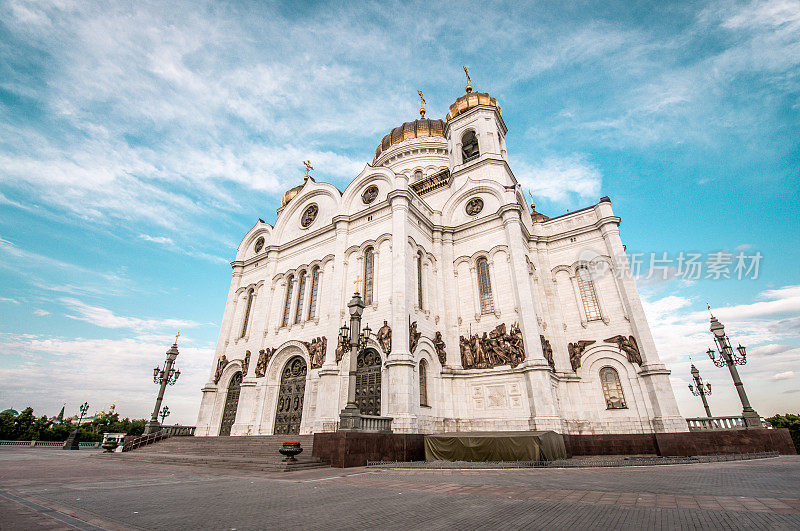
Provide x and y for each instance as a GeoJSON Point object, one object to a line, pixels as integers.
{"type": "Point", "coordinates": [309, 167]}
{"type": "Point", "coordinates": [177, 336]}
{"type": "Point", "coordinates": [469, 81]}
{"type": "Point", "coordinates": [709, 309]}
{"type": "Point", "coordinates": [421, 104]}
{"type": "Point", "coordinates": [533, 207]}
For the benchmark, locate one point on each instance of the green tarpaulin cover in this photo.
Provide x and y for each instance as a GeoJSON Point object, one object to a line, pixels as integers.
{"type": "Point", "coordinates": [495, 446]}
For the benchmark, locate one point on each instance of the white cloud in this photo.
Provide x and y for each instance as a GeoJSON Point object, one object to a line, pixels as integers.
{"type": "Point", "coordinates": [558, 179]}
{"type": "Point", "coordinates": [40, 312]}
{"type": "Point", "coordinates": [681, 331]}
{"type": "Point", "coordinates": [100, 371]}
{"type": "Point", "coordinates": [161, 240]}
{"type": "Point", "coordinates": [9, 300]}
{"type": "Point", "coordinates": [105, 318]}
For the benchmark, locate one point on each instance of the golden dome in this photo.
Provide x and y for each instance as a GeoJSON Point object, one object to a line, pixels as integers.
{"type": "Point", "coordinates": [470, 100]}
{"type": "Point", "coordinates": [416, 129]}
{"type": "Point", "coordinates": [292, 192]}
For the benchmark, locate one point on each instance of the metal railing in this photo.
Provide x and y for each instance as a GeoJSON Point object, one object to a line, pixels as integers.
{"type": "Point", "coordinates": [47, 444]}
{"type": "Point", "coordinates": [180, 431]}
{"type": "Point", "coordinates": [715, 423]}
{"type": "Point", "coordinates": [164, 433]}
{"type": "Point", "coordinates": [371, 423]}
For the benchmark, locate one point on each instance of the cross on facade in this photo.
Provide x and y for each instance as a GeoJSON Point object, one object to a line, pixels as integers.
{"type": "Point", "coordinates": [308, 166]}
{"type": "Point", "coordinates": [357, 281]}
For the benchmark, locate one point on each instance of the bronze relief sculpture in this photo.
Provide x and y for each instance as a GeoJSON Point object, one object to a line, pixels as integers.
{"type": "Point", "coordinates": [627, 345]}
{"type": "Point", "coordinates": [493, 349]}
{"type": "Point", "coordinates": [413, 337]}
{"type": "Point", "coordinates": [576, 351]}
{"type": "Point", "coordinates": [547, 350]}
{"type": "Point", "coordinates": [309, 215]}
{"type": "Point", "coordinates": [384, 338]}
{"type": "Point", "coordinates": [316, 351]}
{"type": "Point", "coordinates": [438, 344]}
{"type": "Point", "coordinates": [246, 362]}
{"type": "Point", "coordinates": [341, 347]}
{"type": "Point", "coordinates": [474, 206]}
{"type": "Point", "coordinates": [221, 363]}
{"type": "Point", "coordinates": [369, 194]}
{"type": "Point", "coordinates": [264, 356]}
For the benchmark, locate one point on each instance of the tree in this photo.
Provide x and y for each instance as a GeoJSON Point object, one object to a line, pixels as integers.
{"type": "Point", "coordinates": [790, 421]}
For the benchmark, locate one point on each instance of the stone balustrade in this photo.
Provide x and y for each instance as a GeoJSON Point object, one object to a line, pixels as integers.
{"type": "Point", "coordinates": [715, 423]}
{"type": "Point", "coordinates": [180, 431]}
{"type": "Point", "coordinates": [374, 424]}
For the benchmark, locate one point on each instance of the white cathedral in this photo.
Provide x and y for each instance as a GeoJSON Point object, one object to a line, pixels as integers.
{"type": "Point", "coordinates": [486, 315]}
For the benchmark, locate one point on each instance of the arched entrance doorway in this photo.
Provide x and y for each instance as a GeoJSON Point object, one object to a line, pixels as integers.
{"type": "Point", "coordinates": [368, 382]}
{"type": "Point", "coordinates": [289, 412]}
{"type": "Point", "coordinates": [231, 404]}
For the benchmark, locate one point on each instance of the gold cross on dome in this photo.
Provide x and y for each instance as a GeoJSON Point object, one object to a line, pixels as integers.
{"type": "Point", "coordinates": [308, 165]}
{"type": "Point", "coordinates": [469, 81]}
{"type": "Point", "coordinates": [421, 99]}
{"type": "Point", "coordinates": [357, 281]}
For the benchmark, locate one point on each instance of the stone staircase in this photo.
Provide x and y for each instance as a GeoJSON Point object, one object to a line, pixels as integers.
{"type": "Point", "coordinates": [242, 452]}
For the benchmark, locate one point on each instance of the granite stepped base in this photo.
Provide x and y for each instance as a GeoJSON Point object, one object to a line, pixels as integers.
{"type": "Point", "coordinates": [243, 453]}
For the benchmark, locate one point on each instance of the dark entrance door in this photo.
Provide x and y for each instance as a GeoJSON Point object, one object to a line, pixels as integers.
{"type": "Point", "coordinates": [368, 382]}
{"type": "Point", "coordinates": [231, 404]}
{"type": "Point", "coordinates": [289, 412]}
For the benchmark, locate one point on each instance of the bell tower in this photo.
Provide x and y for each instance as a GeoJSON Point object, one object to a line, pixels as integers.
{"type": "Point", "coordinates": [475, 129]}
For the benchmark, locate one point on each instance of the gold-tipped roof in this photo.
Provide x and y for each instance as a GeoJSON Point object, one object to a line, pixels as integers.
{"type": "Point", "coordinates": [423, 127]}
{"type": "Point", "coordinates": [470, 100]}
{"type": "Point", "coordinates": [292, 192]}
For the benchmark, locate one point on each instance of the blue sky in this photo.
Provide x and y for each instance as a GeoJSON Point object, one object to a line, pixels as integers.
{"type": "Point", "coordinates": [139, 142]}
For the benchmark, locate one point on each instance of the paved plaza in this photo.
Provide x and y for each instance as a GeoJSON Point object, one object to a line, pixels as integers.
{"type": "Point", "coordinates": [55, 489]}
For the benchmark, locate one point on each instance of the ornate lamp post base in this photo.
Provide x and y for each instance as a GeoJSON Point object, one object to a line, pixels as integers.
{"type": "Point", "coordinates": [350, 419]}
{"type": "Point", "coordinates": [752, 419]}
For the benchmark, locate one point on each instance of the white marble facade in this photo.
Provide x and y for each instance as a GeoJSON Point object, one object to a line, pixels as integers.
{"type": "Point", "coordinates": [419, 220]}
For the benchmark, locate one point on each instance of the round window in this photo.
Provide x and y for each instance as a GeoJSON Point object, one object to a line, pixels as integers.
{"type": "Point", "coordinates": [259, 244]}
{"type": "Point", "coordinates": [309, 215]}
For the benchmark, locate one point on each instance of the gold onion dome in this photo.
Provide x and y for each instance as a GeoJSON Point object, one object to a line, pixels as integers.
{"type": "Point", "coordinates": [291, 193]}
{"type": "Point", "coordinates": [416, 129]}
{"type": "Point", "coordinates": [470, 100]}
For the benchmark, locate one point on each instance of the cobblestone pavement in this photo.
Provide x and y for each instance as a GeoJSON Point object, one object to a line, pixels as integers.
{"type": "Point", "coordinates": [54, 489]}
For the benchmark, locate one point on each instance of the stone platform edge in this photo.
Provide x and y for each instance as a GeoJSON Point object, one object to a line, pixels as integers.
{"type": "Point", "coordinates": [349, 449]}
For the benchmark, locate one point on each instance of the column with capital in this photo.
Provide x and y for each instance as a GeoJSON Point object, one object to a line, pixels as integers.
{"type": "Point", "coordinates": [398, 397]}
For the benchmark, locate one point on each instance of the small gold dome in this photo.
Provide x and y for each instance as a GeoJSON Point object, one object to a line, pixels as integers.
{"type": "Point", "coordinates": [292, 192]}
{"type": "Point", "coordinates": [470, 100]}
{"type": "Point", "coordinates": [416, 129]}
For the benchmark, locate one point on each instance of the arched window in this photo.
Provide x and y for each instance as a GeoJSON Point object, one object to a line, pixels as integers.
{"type": "Point", "coordinates": [247, 312]}
{"type": "Point", "coordinates": [612, 388]}
{"type": "Point", "coordinates": [287, 308]}
{"type": "Point", "coordinates": [418, 175]}
{"type": "Point", "coordinates": [485, 286]}
{"type": "Point", "coordinates": [588, 294]}
{"type": "Point", "coordinates": [312, 302]}
{"type": "Point", "coordinates": [423, 383]}
{"type": "Point", "coordinates": [301, 292]}
{"type": "Point", "coordinates": [419, 279]}
{"type": "Point", "coordinates": [369, 274]}
{"type": "Point", "coordinates": [469, 147]}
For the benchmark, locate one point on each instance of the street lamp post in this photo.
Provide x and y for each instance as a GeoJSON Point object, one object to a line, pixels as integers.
{"type": "Point", "coordinates": [166, 376]}
{"type": "Point", "coordinates": [699, 389]}
{"type": "Point", "coordinates": [74, 439]}
{"type": "Point", "coordinates": [350, 416]}
{"type": "Point", "coordinates": [164, 414]}
{"type": "Point", "coordinates": [727, 357]}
